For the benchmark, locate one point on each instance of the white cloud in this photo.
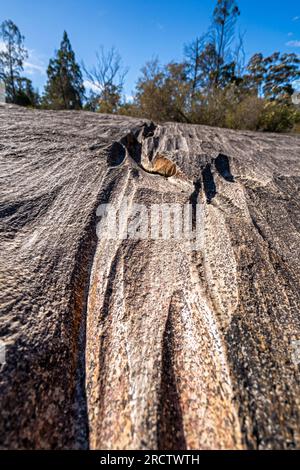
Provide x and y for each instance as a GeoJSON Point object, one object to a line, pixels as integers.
{"type": "Point", "coordinates": [296, 18]}
{"type": "Point", "coordinates": [90, 86]}
{"type": "Point", "coordinates": [293, 44]}
{"type": "Point", "coordinates": [33, 64]}
{"type": "Point", "coordinates": [129, 98]}
{"type": "Point", "coordinates": [31, 68]}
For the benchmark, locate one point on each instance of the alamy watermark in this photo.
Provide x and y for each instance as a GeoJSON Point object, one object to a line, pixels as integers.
{"type": "Point", "coordinates": [2, 353]}
{"type": "Point", "coordinates": [296, 94]}
{"type": "Point", "coordinates": [295, 351]}
{"type": "Point", "coordinates": [2, 92]}
{"type": "Point", "coordinates": [183, 223]}
{"type": "Point", "coordinates": [296, 97]}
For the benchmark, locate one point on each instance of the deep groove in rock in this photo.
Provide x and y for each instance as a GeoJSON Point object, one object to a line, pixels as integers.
{"type": "Point", "coordinates": [133, 141]}
{"type": "Point", "coordinates": [133, 146]}
{"type": "Point", "coordinates": [80, 281]}
{"type": "Point", "coordinates": [223, 167]}
{"type": "Point", "coordinates": [170, 432]}
{"type": "Point", "coordinates": [208, 183]}
{"type": "Point", "coordinates": [194, 200]}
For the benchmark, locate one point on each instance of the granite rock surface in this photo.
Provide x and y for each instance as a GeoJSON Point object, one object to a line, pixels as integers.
{"type": "Point", "coordinates": [131, 341]}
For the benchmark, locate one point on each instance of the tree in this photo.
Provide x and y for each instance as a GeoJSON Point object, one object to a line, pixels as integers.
{"type": "Point", "coordinates": [25, 94]}
{"type": "Point", "coordinates": [208, 66]}
{"type": "Point", "coordinates": [92, 102]}
{"type": "Point", "coordinates": [193, 54]}
{"type": "Point", "coordinates": [64, 89]}
{"type": "Point", "coordinates": [239, 56]}
{"type": "Point", "coordinates": [11, 58]}
{"type": "Point", "coordinates": [222, 32]}
{"type": "Point", "coordinates": [204, 89]}
{"type": "Point", "coordinates": [162, 93]}
{"type": "Point", "coordinates": [107, 75]}
{"type": "Point", "coordinates": [210, 61]}
{"type": "Point", "coordinates": [282, 71]}
{"type": "Point", "coordinates": [256, 72]}
{"type": "Point", "coordinates": [129, 109]}
{"type": "Point", "coordinates": [273, 76]}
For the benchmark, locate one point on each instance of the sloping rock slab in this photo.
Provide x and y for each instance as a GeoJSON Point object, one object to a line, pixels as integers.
{"type": "Point", "coordinates": [142, 342]}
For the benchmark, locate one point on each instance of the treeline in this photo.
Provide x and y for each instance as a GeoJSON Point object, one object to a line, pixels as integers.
{"type": "Point", "coordinates": [212, 85]}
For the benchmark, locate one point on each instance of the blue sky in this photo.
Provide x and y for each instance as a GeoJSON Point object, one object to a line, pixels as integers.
{"type": "Point", "coordinates": [142, 29]}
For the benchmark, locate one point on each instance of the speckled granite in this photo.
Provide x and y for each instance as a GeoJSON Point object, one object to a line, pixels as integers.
{"type": "Point", "coordinates": [147, 344]}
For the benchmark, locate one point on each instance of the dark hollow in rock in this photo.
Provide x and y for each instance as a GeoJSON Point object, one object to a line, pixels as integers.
{"type": "Point", "coordinates": [223, 167]}
{"type": "Point", "coordinates": [194, 199]}
{"type": "Point", "coordinates": [116, 155]}
{"type": "Point", "coordinates": [208, 183]}
{"type": "Point", "coordinates": [133, 146]}
{"type": "Point", "coordinates": [148, 130]}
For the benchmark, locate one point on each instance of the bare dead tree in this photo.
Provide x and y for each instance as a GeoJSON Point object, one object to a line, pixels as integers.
{"type": "Point", "coordinates": [192, 53]}
{"type": "Point", "coordinates": [225, 15]}
{"type": "Point", "coordinates": [108, 73]}
{"type": "Point", "coordinates": [239, 55]}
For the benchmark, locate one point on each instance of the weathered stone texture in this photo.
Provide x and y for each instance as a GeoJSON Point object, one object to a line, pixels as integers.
{"type": "Point", "coordinates": [147, 344]}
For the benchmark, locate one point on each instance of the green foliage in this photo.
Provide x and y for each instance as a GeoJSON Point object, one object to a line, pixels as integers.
{"type": "Point", "coordinates": [162, 93]}
{"type": "Point", "coordinates": [212, 86]}
{"type": "Point", "coordinates": [107, 76]}
{"type": "Point", "coordinates": [64, 89]}
{"type": "Point", "coordinates": [245, 114]}
{"type": "Point", "coordinates": [273, 76]}
{"type": "Point", "coordinates": [25, 94]}
{"type": "Point", "coordinates": [19, 90]}
{"type": "Point", "coordinates": [235, 108]}
{"type": "Point", "coordinates": [228, 107]}
{"type": "Point", "coordinates": [278, 117]}
{"type": "Point", "coordinates": [107, 101]}
{"type": "Point", "coordinates": [128, 109]}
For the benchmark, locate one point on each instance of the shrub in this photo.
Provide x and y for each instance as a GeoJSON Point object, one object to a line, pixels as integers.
{"type": "Point", "coordinates": [246, 114]}
{"type": "Point", "coordinates": [278, 117]}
